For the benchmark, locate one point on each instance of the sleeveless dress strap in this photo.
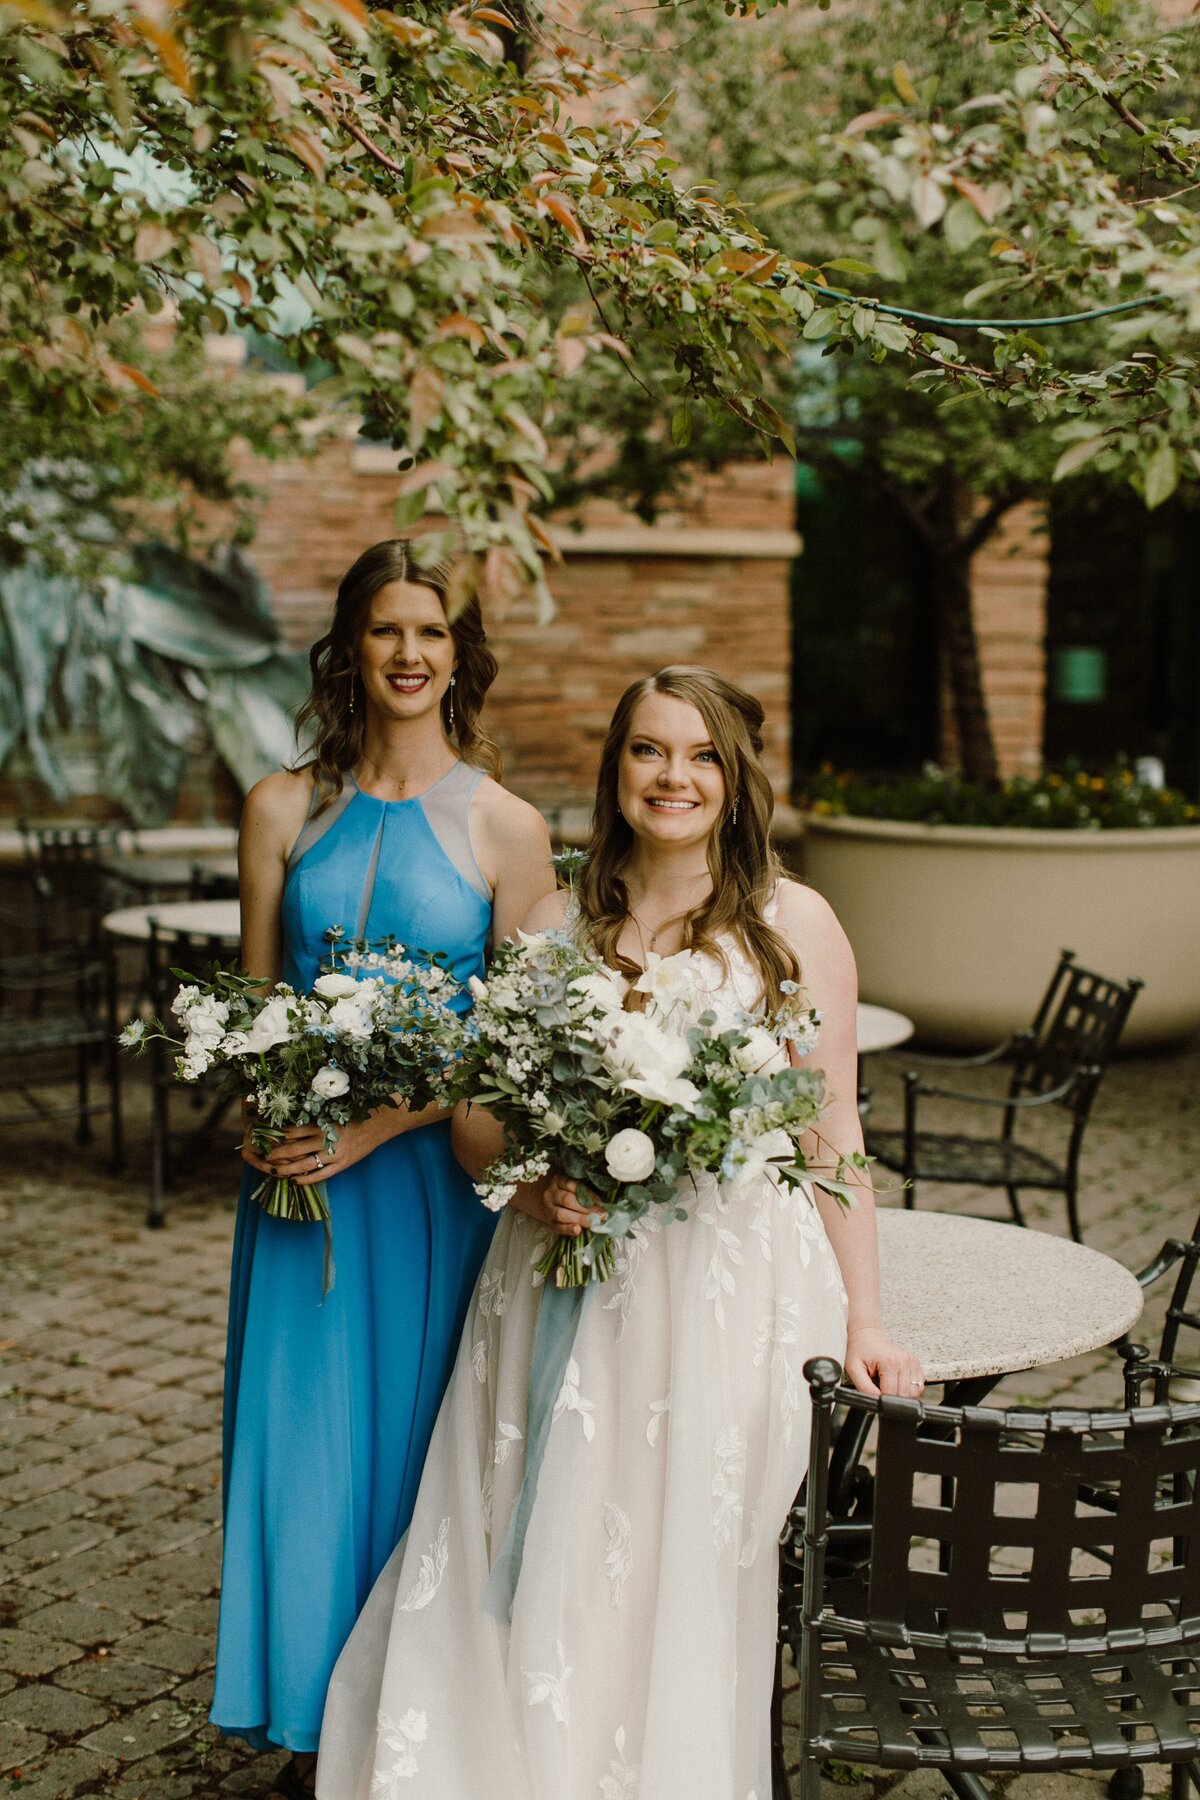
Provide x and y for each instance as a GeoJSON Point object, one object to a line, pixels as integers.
{"type": "Point", "coordinates": [447, 809]}
{"type": "Point", "coordinates": [317, 824]}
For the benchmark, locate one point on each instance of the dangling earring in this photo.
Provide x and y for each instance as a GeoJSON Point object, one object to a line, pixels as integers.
{"type": "Point", "coordinates": [735, 809]}
{"type": "Point", "coordinates": [452, 703]}
{"type": "Point", "coordinates": [352, 692]}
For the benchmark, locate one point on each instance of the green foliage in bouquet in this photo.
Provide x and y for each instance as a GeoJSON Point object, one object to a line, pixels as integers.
{"type": "Point", "coordinates": [376, 1030]}
{"type": "Point", "coordinates": [633, 1104]}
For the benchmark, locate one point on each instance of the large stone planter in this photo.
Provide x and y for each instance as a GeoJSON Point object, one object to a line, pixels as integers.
{"type": "Point", "coordinates": [960, 927]}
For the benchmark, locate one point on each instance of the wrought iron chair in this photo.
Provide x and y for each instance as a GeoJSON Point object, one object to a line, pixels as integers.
{"type": "Point", "coordinates": [164, 954]}
{"type": "Point", "coordinates": [1059, 1061]}
{"type": "Point", "coordinates": [1003, 1622]}
{"type": "Point", "coordinates": [57, 1013]}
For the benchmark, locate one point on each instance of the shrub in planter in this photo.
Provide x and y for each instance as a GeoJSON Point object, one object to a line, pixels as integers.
{"type": "Point", "coordinates": [958, 897]}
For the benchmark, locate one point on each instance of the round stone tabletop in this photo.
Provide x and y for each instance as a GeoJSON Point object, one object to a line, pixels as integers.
{"type": "Point", "coordinates": [973, 1297]}
{"type": "Point", "coordinates": [194, 918]}
{"type": "Point", "coordinates": [881, 1028]}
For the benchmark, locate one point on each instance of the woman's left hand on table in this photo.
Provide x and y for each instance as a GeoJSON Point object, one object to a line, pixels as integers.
{"type": "Point", "coordinates": [875, 1365]}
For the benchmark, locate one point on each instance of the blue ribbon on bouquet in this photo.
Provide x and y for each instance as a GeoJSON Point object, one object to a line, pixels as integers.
{"type": "Point", "coordinates": [553, 1341]}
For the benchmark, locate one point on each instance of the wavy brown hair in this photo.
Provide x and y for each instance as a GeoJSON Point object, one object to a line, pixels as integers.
{"type": "Point", "coordinates": [743, 866]}
{"type": "Point", "coordinates": [338, 735]}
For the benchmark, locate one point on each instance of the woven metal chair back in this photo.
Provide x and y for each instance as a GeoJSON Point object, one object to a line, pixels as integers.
{"type": "Point", "coordinates": [67, 863]}
{"type": "Point", "coordinates": [984, 1539]}
{"type": "Point", "coordinates": [1183, 1315]}
{"type": "Point", "coordinates": [1075, 1032]}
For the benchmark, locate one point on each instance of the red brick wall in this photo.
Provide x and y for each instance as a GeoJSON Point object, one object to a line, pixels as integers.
{"type": "Point", "coordinates": [623, 607]}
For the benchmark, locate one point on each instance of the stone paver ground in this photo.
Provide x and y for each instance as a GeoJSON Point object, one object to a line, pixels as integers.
{"type": "Point", "coordinates": [112, 1340]}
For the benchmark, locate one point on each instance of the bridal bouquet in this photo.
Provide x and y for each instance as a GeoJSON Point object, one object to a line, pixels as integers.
{"type": "Point", "coordinates": [375, 1026]}
{"type": "Point", "coordinates": [630, 1103]}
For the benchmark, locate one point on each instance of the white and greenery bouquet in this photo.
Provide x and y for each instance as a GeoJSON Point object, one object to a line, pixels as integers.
{"type": "Point", "coordinates": [375, 1030]}
{"type": "Point", "coordinates": [630, 1103]}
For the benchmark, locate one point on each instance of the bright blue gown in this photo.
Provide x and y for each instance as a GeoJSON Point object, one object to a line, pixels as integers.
{"type": "Point", "coordinates": [329, 1408]}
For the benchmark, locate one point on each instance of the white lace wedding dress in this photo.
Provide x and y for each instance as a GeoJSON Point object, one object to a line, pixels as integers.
{"type": "Point", "coordinates": [640, 1658]}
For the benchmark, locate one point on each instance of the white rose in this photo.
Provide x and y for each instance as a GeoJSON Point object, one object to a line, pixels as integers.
{"type": "Point", "coordinates": [630, 1156]}
{"type": "Point", "coordinates": [205, 1020]}
{"type": "Point", "coordinates": [760, 1054]}
{"type": "Point", "coordinates": [351, 1018]}
{"type": "Point", "coordinates": [334, 987]}
{"type": "Point", "coordinates": [330, 1083]}
{"type": "Point", "coordinates": [270, 1027]}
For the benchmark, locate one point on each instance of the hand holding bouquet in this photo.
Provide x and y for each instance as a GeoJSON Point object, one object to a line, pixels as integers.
{"type": "Point", "coordinates": [630, 1103]}
{"type": "Point", "coordinates": [375, 1030]}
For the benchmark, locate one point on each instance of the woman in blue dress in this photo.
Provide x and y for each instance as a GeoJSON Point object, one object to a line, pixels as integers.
{"type": "Point", "coordinates": [396, 828]}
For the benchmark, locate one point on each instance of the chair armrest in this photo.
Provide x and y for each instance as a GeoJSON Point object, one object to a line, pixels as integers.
{"type": "Point", "coordinates": [915, 1086]}
{"type": "Point", "coordinates": [971, 1062]}
{"type": "Point", "coordinates": [1166, 1259]}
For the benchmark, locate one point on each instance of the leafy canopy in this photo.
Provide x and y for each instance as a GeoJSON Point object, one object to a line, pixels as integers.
{"type": "Point", "coordinates": [466, 235]}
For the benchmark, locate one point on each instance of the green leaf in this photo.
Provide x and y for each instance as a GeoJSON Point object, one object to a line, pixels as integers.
{"type": "Point", "coordinates": [681, 426]}
{"type": "Point", "coordinates": [1160, 476]}
{"type": "Point", "coordinates": [1076, 455]}
{"type": "Point", "coordinates": [850, 265]}
{"type": "Point", "coordinates": [408, 509]}
{"type": "Point", "coordinates": [821, 323]}
{"type": "Point", "coordinates": [962, 225]}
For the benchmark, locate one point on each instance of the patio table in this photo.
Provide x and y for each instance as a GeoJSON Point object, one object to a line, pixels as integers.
{"type": "Point", "coordinates": [976, 1299]}
{"type": "Point", "coordinates": [185, 918]}
{"type": "Point", "coordinates": [881, 1028]}
{"type": "Point", "coordinates": [158, 875]}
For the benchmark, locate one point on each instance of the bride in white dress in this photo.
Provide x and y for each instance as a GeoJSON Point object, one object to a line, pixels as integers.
{"type": "Point", "coordinates": [639, 1661]}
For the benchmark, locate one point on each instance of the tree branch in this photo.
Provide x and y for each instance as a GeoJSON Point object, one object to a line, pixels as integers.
{"type": "Point", "coordinates": [1112, 100]}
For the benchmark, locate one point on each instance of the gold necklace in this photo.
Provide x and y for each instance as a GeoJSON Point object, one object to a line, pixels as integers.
{"type": "Point", "coordinates": [656, 933]}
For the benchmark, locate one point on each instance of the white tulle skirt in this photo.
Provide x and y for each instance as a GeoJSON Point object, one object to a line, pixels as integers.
{"type": "Point", "coordinates": [639, 1661]}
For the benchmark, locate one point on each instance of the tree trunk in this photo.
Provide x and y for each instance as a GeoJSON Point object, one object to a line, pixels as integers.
{"type": "Point", "coordinates": [951, 573]}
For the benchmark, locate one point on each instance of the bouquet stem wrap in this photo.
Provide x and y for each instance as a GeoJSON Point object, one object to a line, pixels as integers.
{"type": "Point", "coordinates": [282, 1198]}
{"type": "Point", "coordinates": [558, 1321]}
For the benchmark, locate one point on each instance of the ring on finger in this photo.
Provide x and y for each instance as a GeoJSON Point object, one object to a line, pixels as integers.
{"type": "Point", "coordinates": [317, 1162]}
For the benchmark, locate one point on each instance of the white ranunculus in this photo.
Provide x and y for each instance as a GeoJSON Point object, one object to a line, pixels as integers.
{"type": "Point", "coordinates": [761, 1054]}
{"type": "Point", "coordinates": [270, 1027]}
{"type": "Point", "coordinates": [330, 1083]}
{"type": "Point", "coordinates": [630, 1156]}
{"type": "Point", "coordinates": [600, 990]}
{"type": "Point", "coordinates": [477, 988]}
{"type": "Point", "coordinates": [351, 1018]}
{"type": "Point", "coordinates": [335, 986]}
{"type": "Point", "coordinates": [637, 1046]}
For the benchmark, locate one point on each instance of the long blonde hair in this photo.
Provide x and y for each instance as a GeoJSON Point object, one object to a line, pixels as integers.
{"type": "Point", "coordinates": [741, 861]}
{"type": "Point", "coordinates": [339, 724]}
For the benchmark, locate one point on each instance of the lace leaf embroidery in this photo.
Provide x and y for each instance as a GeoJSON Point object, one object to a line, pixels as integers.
{"type": "Point", "coordinates": [399, 1738]}
{"type": "Point", "coordinates": [621, 1782]}
{"type": "Point", "coordinates": [570, 1400]}
{"type": "Point", "coordinates": [728, 1480]}
{"type": "Point", "coordinates": [433, 1567]}
{"type": "Point", "coordinates": [506, 1437]}
{"type": "Point", "coordinates": [618, 1555]}
{"type": "Point", "coordinates": [545, 1688]}
{"type": "Point", "coordinates": [658, 1408]}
